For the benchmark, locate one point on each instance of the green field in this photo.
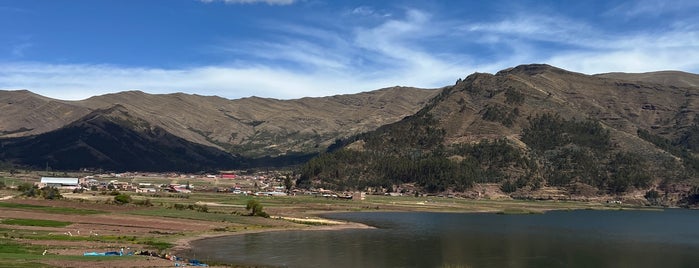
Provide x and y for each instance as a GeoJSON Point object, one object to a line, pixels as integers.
{"type": "Point", "coordinates": [48, 209]}
{"type": "Point", "coordinates": [33, 222]}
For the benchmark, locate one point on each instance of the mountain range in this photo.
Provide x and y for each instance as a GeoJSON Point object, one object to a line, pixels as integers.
{"type": "Point", "coordinates": [532, 126]}
{"type": "Point", "coordinates": [523, 127]}
{"type": "Point", "coordinates": [138, 131]}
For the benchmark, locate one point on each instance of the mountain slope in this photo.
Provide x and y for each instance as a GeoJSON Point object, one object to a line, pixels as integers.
{"type": "Point", "coordinates": [257, 127]}
{"type": "Point", "coordinates": [525, 128]}
{"type": "Point", "coordinates": [254, 127]}
{"type": "Point", "coordinates": [25, 113]}
{"type": "Point", "coordinates": [671, 78]}
{"type": "Point", "coordinates": [113, 139]}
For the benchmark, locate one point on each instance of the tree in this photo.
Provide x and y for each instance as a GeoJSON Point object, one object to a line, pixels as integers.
{"type": "Point", "coordinates": [288, 183]}
{"type": "Point", "coordinates": [652, 196]}
{"type": "Point", "coordinates": [255, 208]}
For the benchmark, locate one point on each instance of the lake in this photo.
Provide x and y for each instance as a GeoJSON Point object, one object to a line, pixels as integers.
{"type": "Point", "coordinates": [582, 238]}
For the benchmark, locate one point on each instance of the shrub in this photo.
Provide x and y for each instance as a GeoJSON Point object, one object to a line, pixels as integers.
{"type": "Point", "coordinates": [201, 208]}
{"type": "Point", "coordinates": [146, 202]}
{"type": "Point", "coordinates": [508, 187]}
{"type": "Point", "coordinates": [122, 199]}
{"type": "Point", "coordinates": [50, 193]}
{"type": "Point", "coordinates": [255, 208]}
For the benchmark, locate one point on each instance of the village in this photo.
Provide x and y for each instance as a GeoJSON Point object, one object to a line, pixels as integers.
{"type": "Point", "coordinates": [232, 182]}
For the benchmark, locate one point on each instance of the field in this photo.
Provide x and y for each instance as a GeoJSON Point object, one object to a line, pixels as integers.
{"type": "Point", "coordinates": [55, 233]}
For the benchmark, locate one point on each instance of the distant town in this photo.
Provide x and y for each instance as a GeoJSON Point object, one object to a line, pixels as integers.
{"type": "Point", "coordinates": [233, 182]}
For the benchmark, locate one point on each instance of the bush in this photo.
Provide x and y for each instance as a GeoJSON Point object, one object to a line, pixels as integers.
{"type": "Point", "coordinates": [146, 202]}
{"type": "Point", "coordinates": [652, 196]}
{"type": "Point", "coordinates": [201, 208]}
{"type": "Point", "coordinates": [122, 199]}
{"type": "Point", "coordinates": [508, 187]}
{"type": "Point", "coordinates": [50, 193]}
{"type": "Point", "coordinates": [255, 208]}
{"type": "Point", "coordinates": [24, 187]}
{"type": "Point", "coordinates": [28, 189]}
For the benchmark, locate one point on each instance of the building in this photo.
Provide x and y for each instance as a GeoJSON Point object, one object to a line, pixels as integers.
{"type": "Point", "coordinates": [61, 183]}
{"type": "Point", "coordinates": [228, 176]}
{"type": "Point", "coordinates": [358, 196]}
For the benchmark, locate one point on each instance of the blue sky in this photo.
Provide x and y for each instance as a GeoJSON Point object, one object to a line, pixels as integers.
{"type": "Point", "coordinates": [285, 49]}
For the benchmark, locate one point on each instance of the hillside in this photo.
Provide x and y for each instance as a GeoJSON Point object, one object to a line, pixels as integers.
{"type": "Point", "coordinates": [672, 78]}
{"type": "Point", "coordinates": [525, 128]}
{"type": "Point", "coordinates": [113, 139]}
{"type": "Point", "coordinates": [25, 113]}
{"type": "Point", "coordinates": [262, 131]}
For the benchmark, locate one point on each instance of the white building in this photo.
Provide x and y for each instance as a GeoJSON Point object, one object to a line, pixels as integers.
{"type": "Point", "coordinates": [61, 183]}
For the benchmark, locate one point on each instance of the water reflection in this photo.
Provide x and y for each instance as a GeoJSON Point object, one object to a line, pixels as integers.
{"type": "Point", "coordinates": [554, 239]}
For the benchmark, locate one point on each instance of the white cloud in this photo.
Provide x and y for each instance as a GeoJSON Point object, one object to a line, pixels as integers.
{"type": "Point", "coordinates": [532, 27]}
{"type": "Point", "coordinates": [579, 46]}
{"type": "Point", "coordinates": [269, 2]}
{"type": "Point", "coordinates": [368, 11]}
{"type": "Point", "coordinates": [79, 81]}
{"type": "Point", "coordinates": [364, 59]}
{"type": "Point", "coordinates": [653, 8]}
{"type": "Point", "coordinates": [416, 49]}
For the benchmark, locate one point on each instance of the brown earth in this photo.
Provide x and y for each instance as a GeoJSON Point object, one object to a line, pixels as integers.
{"type": "Point", "coordinates": [115, 223]}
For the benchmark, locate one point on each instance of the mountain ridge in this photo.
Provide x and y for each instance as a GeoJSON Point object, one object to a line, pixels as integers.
{"type": "Point", "coordinates": [257, 128]}
{"type": "Point", "coordinates": [524, 128]}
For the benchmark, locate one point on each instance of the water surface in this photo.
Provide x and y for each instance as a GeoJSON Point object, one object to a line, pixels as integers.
{"type": "Point", "coordinates": [582, 238]}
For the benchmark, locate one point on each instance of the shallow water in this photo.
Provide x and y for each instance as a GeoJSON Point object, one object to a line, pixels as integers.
{"type": "Point", "coordinates": [583, 238]}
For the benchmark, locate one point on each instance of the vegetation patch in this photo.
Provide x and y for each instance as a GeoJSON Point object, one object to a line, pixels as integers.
{"type": "Point", "coordinates": [56, 210]}
{"type": "Point", "coordinates": [33, 222]}
{"type": "Point", "coordinates": [518, 211]}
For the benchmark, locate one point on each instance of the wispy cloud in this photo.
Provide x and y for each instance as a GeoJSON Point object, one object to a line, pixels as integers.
{"type": "Point", "coordinates": [368, 11]}
{"type": "Point", "coordinates": [19, 49]}
{"type": "Point", "coordinates": [366, 58]}
{"type": "Point", "coordinates": [539, 27]}
{"type": "Point", "coordinates": [79, 81]}
{"type": "Point", "coordinates": [411, 47]}
{"type": "Point", "coordinates": [653, 8]}
{"type": "Point", "coordinates": [583, 47]}
{"type": "Point", "coordinates": [269, 2]}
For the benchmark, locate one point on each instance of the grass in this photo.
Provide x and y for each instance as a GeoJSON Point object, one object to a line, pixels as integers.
{"type": "Point", "coordinates": [21, 260]}
{"type": "Point", "coordinates": [33, 222]}
{"type": "Point", "coordinates": [7, 235]}
{"type": "Point", "coordinates": [55, 210]}
{"type": "Point", "coordinates": [518, 211]}
{"type": "Point", "coordinates": [187, 214]}
{"type": "Point", "coordinates": [9, 246]}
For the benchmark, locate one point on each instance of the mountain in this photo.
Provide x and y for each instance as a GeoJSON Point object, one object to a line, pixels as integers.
{"type": "Point", "coordinates": [25, 113]}
{"type": "Point", "coordinates": [528, 127]}
{"type": "Point", "coordinates": [251, 131]}
{"type": "Point", "coordinates": [113, 139]}
{"type": "Point", "coordinates": [672, 78]}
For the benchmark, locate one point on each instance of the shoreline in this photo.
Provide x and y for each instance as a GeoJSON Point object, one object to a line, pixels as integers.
{"type": "Point", "coordinates": [183, 245]}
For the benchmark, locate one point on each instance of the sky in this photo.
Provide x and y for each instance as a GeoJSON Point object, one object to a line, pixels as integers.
{"type": "Point", "coordinates": [287, 49]}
